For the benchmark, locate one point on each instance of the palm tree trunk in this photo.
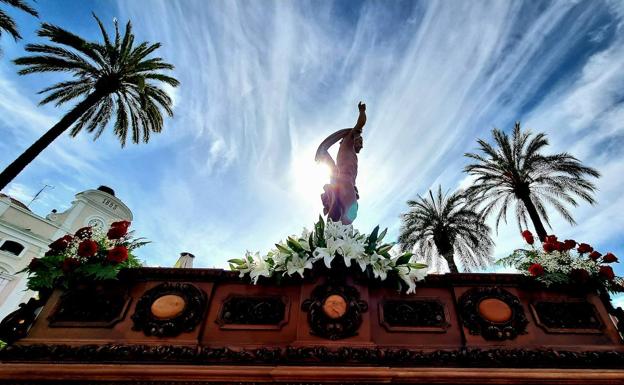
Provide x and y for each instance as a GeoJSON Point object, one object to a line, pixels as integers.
{"type": "Point", "coordinates": [36, 148]}
{"type": "Point", "coordinates": [535, 218]}
{"type": "Point", "coordinates": [451, 263]}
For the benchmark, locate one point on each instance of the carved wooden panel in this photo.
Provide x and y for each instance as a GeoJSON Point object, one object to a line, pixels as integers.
{"type": "Point", "coordinates": [575, 317]}
{"type": "Point", "coordinates": [334, 310]}
{"type": "Point", "coordinates": [165, 321]}
{"type": "Point", "coordinates": [102, 304]}
{"type": "Point", "coordinates": [254, 312]}
{"type": "Point", "coordinates": [417, 315]}
{"type": "Point", "coordinates": [492, 312]}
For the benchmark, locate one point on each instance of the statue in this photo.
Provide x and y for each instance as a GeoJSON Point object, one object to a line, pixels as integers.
{"type": "Point", "coordinates": [340, 195]}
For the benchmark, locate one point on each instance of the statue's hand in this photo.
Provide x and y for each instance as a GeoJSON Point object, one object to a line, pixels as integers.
{"type": "Point", "coordinates": [361, 107]}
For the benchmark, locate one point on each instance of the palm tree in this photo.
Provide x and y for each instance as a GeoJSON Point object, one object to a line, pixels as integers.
{"type": "Point", "coordinates": [515, 171]}
{"type": "Point", "coordinates": [7, 24]}
{"type": "Point", "coordinates": [446, 226]}
{"type": "Point", "coordinates": [114, 77]}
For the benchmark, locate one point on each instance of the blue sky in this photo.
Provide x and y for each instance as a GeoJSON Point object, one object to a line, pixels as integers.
{"type": "Point", "coordinates": [264, 82]}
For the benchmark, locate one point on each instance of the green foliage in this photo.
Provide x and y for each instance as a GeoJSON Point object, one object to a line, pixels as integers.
{"type": "Point", "coordinates": [445, 225]}
{"type": "Point", "coordinates": [7, 24]}
{"type": "Point", "coordinates": [514, 168]}
{"type": "Point", "coordinates": [127, 82]}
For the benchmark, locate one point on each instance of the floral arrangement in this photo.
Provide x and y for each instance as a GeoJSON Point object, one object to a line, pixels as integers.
{"type": "Point", "coordinates": [89, 254]}
{"type": "Point", "coordinates": [330, 244]}
{"type": "Point", "coordinates": [565, 262]}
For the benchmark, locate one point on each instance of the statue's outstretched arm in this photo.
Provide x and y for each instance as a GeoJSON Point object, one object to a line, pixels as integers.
{"type": "Point", "coordinates": [362, 118]}
{"type": "Point", "coordinates": [322, 153]}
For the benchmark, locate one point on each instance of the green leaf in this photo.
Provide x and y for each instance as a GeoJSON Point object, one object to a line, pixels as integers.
{"type": "Point", "coordinates": [294, 244]}
{"type": "Point", "coordinates": [283, 249]}
{"type": "Point", "coordinates": [404, 259]}
{"type": "Point", "coordinates": [372, 240]}
{"type": "Point", "coordinates": [382, 235]}
{"type": "Point", "coordinates": [414, 265]}
{"type": "Point", "coordinates": [237, 261]}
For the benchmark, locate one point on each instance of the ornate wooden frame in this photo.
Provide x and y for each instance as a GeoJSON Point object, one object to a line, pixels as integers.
{"type": "Point", "coordinates": [445, 317]}
{"type": "Point", "coordinates": [563, 330]}
{"type": "Point", "coordinates": [224, 325]}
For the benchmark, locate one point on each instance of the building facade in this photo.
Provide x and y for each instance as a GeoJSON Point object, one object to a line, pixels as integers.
{"type": "Point", "coordinates": [25, 235]}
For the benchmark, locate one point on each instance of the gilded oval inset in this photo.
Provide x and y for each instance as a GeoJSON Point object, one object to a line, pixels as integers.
{"type": "Point", "coordinates": [495, 310]}
{"type": "Point", "coordinates": [334, 306]}
{"type": "Point", "coordinates": [168, 306]}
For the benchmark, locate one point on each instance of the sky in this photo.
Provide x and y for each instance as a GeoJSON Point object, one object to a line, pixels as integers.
{"type": "Point", "coordinates": [264, 82]}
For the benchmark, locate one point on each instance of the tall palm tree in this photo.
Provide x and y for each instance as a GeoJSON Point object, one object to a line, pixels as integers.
{"type": "Point", "coordinates": [113, 77]}
{"type": "Point", "coordinates": [445, 226]}
{"type": "Point", "coordinates": [515, 171]}
{"type": "Point", "coordinates": [7, 24]}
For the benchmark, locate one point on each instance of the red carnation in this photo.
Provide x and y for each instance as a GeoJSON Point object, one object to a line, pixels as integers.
{"type": "Point", "coordinates": [569, 244]}
{"type": "Point", "coordinates": [606, 272]}
{"type": "Point", "coordinates": [84, 233]}
{"type": "Point", "coordinates": [123, 224]}
{"type": "Point", "coordinates": [70, 264]}
{"type": "Point", "coordinates": [528, 237]}
{"type": "Point", "coordinates": [580, 275]}
{"type": "Point", "coordinates": [536, 270]}
{"type": "Point", "coordinates": [609, 258]}
{"type": "Point", "coordinates": [117, 254]}
{"type": "Point", "coordinates": [116, 232]}
{"type": "Point", "coordinates": [594, 255]}
{"type": "Point", "coordinates": [560, 246]}
{"type": "Point", "coordinates": [549, 247]}
{"type": "Point", "coordinates": [61, 244]}
{"type": "Point", "coordinates": [87, 248]}
{"type": "Point", "coordinates": [550, 239]}
{"type": "Point", "coordinates": [584, 248]}
{"type": "Point", "coordinates": [34, 264]}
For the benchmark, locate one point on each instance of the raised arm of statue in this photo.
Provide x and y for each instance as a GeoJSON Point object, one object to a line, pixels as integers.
{"type": "Point", "coordinates": [322, 153]}
{"type": "Point", "coordinates": [361, 119]}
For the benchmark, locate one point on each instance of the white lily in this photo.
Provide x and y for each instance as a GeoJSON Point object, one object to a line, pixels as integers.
{"type": "Point", "coordinates": [410, 276]}
{"type": "Point", "coordinates": [336, 230]}
{"type": "Point", "coordinates": [298, 264]}
{"type": "Point", "coordinates": [350, 249]}
{"type": "Point", "coordinates": [259, 268]}
{"type": "Point", "coordinates": [279, 259]}
{"type": "Point", "coordinates": [381, 268]}
{"type": "Point", "coordinates": [366, 260]}
{"type": "Point", "coordinates": [324, 254]}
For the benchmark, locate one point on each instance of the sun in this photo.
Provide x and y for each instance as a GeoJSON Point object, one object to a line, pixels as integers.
{"type": "Point", "coordinates": [309, 177]}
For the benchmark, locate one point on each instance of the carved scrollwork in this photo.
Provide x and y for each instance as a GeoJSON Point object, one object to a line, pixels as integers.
{"type": "Point", "coordinates": [567, 317]}
{"type": "Point", "coordinates": [493, 313]}
{"type": "Point", "coordinates": [99, 304]}
{"type": "Point", "coordinates": [373, 356]}
{"type": "Point", "coordinates": [420, 315]}
{"type": "Point", "coordinates": [334, 311]}
{"type": "Point", "coordinates": [169, 309]}
{"type": "Point", "coordinates": [253, 312]}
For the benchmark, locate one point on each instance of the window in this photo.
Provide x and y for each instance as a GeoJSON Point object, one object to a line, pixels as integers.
{"type": "Point", "coordinates": [12, 247]}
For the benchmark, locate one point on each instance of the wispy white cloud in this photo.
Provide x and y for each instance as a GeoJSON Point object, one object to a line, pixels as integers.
{"type": "Point", "coordinates": [262, 83]}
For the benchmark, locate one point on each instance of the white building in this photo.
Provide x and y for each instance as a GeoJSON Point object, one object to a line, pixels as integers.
{"type": "Point", "coordinates": [25, 235]}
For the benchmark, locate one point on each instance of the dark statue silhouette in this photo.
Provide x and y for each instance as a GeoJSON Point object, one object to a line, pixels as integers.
{"type": "Point", "coordinates": [340, 195]}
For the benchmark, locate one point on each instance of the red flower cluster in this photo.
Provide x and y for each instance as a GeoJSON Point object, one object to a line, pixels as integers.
{"type": "Point", "coordinates": [528, 237]}
{"type": "Point", "coordinates": [87, 248]}
{"type": "Point", "coordinates": [117, 254]}
{"type": "Point", "coordinates": [536, 270]}
{"type": "Point", "coordinates": [84, 233]}
{"type": "Point", "coordinates": [552, 244]}
{"type": "Point", "coordinates": [118, 229]}
{"type": "Point", "coordinates": [60, 244]}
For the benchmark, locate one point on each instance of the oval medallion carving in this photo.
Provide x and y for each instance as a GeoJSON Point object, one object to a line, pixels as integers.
{"type": "Point", "coordinates": [495, 310]}
{"type": "Point", "coordinates": [335, 306]}
{"type": "Point", "coordinates": [168, 306]}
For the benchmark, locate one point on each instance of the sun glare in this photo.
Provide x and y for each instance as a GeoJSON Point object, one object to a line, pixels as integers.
{"type": "Point", "coordinates": [309, 177]}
